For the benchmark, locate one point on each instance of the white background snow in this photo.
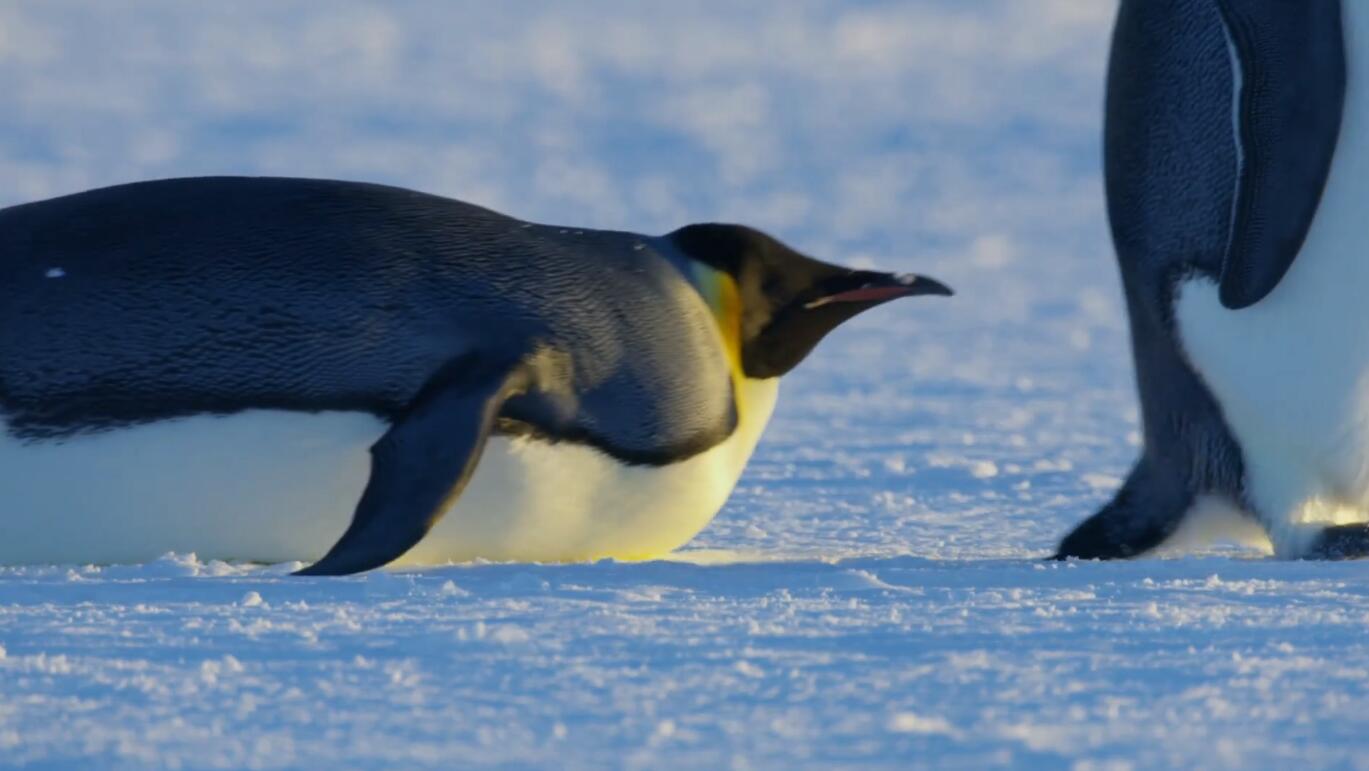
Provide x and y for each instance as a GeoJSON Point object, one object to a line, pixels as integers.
{"type": "Point", "coordinates": [873, 594]}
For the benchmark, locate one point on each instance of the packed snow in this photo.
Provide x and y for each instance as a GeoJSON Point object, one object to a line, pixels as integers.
{"type": "Point", "coordinates": [874, 593]}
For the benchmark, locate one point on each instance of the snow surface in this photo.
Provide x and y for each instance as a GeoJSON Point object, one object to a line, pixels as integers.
{"type": "Point", "coordinates": [873, 594]}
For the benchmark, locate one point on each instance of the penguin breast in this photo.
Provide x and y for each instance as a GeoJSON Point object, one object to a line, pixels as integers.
{"type": "Point", "coordinates": [532, 500]}
{"type": "Point", "coordinates": [274, 486]}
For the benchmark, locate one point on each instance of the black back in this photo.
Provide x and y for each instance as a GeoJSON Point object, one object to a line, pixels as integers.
{"type": "Point", "coordinates": [156, 300]}
{"type": "Point", "coordinates": [1171, 172]}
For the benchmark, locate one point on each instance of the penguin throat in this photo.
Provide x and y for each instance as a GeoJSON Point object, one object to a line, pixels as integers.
{"type": "Point", "coordinates": [720, 293]}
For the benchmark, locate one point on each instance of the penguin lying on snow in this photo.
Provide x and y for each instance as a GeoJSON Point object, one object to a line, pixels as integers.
{"type": "Point", "coordinates": [201, 365]}
{"type": "Point", "coordinates": [1237, 164]}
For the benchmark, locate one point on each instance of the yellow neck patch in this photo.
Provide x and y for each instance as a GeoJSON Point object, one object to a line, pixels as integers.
{"type": "Point", "coordinates": [720, 292]}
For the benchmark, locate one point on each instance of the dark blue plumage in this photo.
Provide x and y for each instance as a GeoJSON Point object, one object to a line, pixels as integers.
{"type": "Point", "coordinates": [218, 295]}
{"type": "Point", "coordinates": [1222, 120]}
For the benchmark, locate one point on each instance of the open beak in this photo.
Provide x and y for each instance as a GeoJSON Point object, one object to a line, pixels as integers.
{"type": "Point", "coordinates": [870, 288]}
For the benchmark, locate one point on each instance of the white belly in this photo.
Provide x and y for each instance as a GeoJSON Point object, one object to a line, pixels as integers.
{"type": "Point", "coordinates": [1292, 372]}
{"type": "Point", "coordinates": [278, 486]}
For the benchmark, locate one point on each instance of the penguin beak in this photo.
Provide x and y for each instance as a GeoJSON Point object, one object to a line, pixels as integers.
{"type": "Point", "coordinates": [871, 288]}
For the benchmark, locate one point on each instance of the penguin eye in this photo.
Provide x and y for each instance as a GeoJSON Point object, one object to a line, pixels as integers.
{"type": "Point", "coordinates": [772, 287]}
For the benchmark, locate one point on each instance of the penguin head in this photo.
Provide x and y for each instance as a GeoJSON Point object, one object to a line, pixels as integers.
{"type": "Point", "coordinates": [781, 302]}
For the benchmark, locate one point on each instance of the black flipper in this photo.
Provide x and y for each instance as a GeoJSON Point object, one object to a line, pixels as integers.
{"type": "Point", "coordinates": [1292, 65]}
{"type": "Point", "coordinates": [1145, 512]}
{"type": "Point", "coordinates": [1341, 542]}
{"type": "Point", "coordinates": [422, 463]}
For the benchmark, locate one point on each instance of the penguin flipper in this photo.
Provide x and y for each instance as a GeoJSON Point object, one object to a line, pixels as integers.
{"type": "Point", "coordinates": [1143, 514]}
{"type": "Point", "coordinates": [422, 463]}
{"type": "Point", "coordinates": [1291, 61]}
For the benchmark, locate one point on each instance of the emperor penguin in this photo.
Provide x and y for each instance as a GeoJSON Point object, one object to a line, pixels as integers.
{"type": "Point", "coordinates": [261, 368]}
{"type": "Point", "coordinates": [1237, 173]}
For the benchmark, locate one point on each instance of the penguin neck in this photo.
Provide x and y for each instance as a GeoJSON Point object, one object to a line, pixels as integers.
{"type": "Point", "coordinates": [720, 293]}
{"type": "Point", "coordinates": [754, 397]}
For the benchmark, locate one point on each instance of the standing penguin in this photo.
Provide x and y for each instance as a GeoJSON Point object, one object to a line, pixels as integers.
{"type": "Point", "coordinates": [1237, 165]}
{"type": "Point", "coordinates": [202, 365]}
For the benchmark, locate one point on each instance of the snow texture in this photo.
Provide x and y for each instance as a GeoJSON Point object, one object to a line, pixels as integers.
{"type": "Point", "coordinates": [873, 594]}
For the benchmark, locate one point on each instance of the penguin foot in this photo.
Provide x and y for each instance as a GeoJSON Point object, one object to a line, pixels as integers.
{"type": "Point", "coordinates": [1340, 542]}
{"type": "Point", "coordinates": [1096, 539]}
{"type": "Point", "coordinates": [1101, 537]}
{"type": "Point", "coordinates": [1143, 514]}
